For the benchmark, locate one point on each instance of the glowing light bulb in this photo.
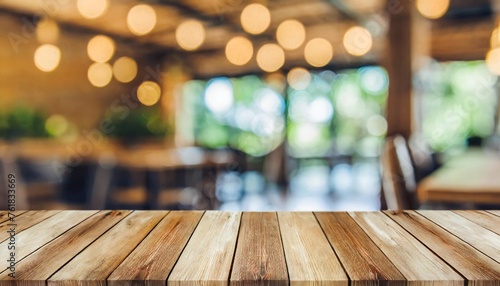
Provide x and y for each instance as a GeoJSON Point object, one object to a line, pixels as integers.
{"type": "Point", "coordinates": [270, 57]}
{"type": "Point", "coordinates": [149, 93]}
{"type": "Point", "coordinates": [141, 19]}
{"type": "Point", "coordinates": [239, 51]}
{"type": "Point", "coordinates": [433, 9]}
{"type": "Point", "coordinates": [190, 35]}
{"type": "Point", "coordinates": [101, 48]}
{"type": "Point", "coordinates": [358, 41]}
{"type": "Point", "coordinates": [125, 69]}
{"type": "Point", "coordinates": [100, 74]}
{"type": "Point", "coordinates": [92, 9]}
{"type": "Point", "coordinates": [47, 57]}
{"type": "Point", "coordinates": [291, 34]}
{"type": "Point", "coordinates": [255, 18]}
{"type": "Point", "coordinates": [318, 52]}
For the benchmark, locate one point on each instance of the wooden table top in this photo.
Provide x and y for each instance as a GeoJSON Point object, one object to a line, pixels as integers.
{"type": "Point", "coordinates": [473, 177]}
{"type": "Point", "coordinates": [221, 248]}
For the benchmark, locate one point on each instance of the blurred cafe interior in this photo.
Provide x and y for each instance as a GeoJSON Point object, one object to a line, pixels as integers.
{"type": "Point", "coordinates": [255, 105]}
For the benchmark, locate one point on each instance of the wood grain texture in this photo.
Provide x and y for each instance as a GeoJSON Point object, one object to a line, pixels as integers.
{"type": "Point", "coordinates": [361, 258]}
{"type": "Point", "coordinates": [4, 215]}
{"type": "Point", "coordinates": [40, 234]}
{"type": "Point", "coordinates": [24, 221]}
{"type": "Point", "coordinates": [497, 213]}
{"type": "Point", "coordinates": [309, 256]}
{"type": "Point", "coordinates": [93, 265]}
{"type": "Point", "coordinates": [484, 219]}
{"type": "Point", "coordinates": [152, 261]}
{"type": "Point", "coordinates": [259, 257]}
{"type": "Point", "coordinates": [417, 263]}
{"type": "Point", "coordinates": [478, 268]}
{"type": "Point", "coordinates": [36, 267]}
{"type": "Point", "coordinates": [212, 247]}
{"type": "Point", "coordinates": [479, 237]}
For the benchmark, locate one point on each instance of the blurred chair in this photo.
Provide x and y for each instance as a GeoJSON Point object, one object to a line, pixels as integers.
{"type": "Point", "coordinates": [398, 177]}
{"type": "Point", "coordinates": [8, 165]}
{"type": "Point", "coordinates": [38, 194]}
{"type": "Point", "coordinates": [423, 160]}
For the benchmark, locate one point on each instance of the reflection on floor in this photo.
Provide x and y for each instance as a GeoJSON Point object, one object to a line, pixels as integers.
{"type": "Point", "coordinates": [314, 188]}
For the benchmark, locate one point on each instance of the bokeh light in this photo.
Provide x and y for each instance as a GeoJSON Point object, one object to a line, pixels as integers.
{"type": "Point", "coordinates": [149, 93]}
{"type": "Point", "coordinates": [125, 69]}
{"type": "Point", "coordinates": [101, 48]}
{"type": "Point", "coordinates": [141, 19]}
{"type": "Point", "coordinates": [291, 34]}
{"type": "Point", "coordinates": [219, 95]}
{"type": "Point", "coordinates": [358, 41]}
{"type": "Point", "coordinates": [376, 125]}
{"type": "Point", "coordinates": [56, 125]}
{"type": "Point", "coordinates": [318, 52]}
{"type": "Point", "coordinates": [100, 74]}
{"type": "Point", "coordinates": [270, 57]}
{"type": "Point", "coordinates": [255, 18]}
{"type": "Point", "coordinates": [190, 35]}
{"type": "Point", "coordinates": [47, 31]}
{"type": "Point", "coordinates": [47, 57]}
{"type": "Point", "coordinates": [433, 9]}
{"type": "Point", "coordinates": [299, 78]}
{"type": "Point", "coordinates": [374, 80]}
{"type": "Point", "coordinates": [92, 9]}
{"type": "Point", "coordinates": [493, 61]}
{"type": "Point", "coordinates": [239, 51]}
{"type": "Point", "coordinates": [320, 110]}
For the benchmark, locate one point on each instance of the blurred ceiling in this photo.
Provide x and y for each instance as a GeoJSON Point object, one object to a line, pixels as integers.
{"type": "Point", "coordinates": [221, 19]}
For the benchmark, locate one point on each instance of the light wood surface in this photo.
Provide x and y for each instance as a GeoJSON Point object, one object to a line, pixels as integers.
{"type": "Point", "coordinates": [468, 178]}
{"type": "Point", "coordinates": [259, 255]}
{"type": "Point", "coordinates": [24, 221]}
{"type": "Point", "coordinates": [93, 265]}
{"type": "Point", "coordinates": [484, 219]}
{"type": "Point", "coordinates": [40, 234]}
{"type": "Point", "coordinates": [4, 215]}
{"type": "Point", "coordinates": [35, 268]}
{"type": "Point", "coordinates": [174, 231]}
{"type": "Point", "coordinates": [309, 255]}
{"type": "Point", "coordinates": [473, 265]}
{"type": "Point", "coordinates": [482, 239]}
{"type": "Point", "coordinates": [211, 247]}
{"type": "Point", "coordinates": [416, 262]}
{"type": "Point", "coordinates": [153, 248]}
{"type": "Point", "coordinates": [361, 258]}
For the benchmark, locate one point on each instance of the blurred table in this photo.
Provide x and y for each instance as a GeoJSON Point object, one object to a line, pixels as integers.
{"type": "Point", "coordinates": [473, 177]}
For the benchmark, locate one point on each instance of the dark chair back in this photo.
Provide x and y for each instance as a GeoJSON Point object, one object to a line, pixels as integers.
{"type": "Point", "coordinates": [398, 176]}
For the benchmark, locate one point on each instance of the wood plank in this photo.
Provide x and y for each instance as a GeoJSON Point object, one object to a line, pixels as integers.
{"type": "Point", "coordinates": [309, 256]}
{"type": "Point", "coordinates": [482, 218]}
{"type": "Point", "coordinates": [166, 242]}
{"type": "Point", "coordinates": [417, 263]}
{"type": "Point", "coordinates": [361, 258]}
{"type": "Point", "coordinates": [497, 213]}
{"type": "Point", "coordinates": [259, 258]}
{"type": "Point", "coordinates": [93, 265]}
{"type": "Point", "coordinates": [25, 221]}
{"type": "Point", "coordinates": [478, 268]}
{"type": "Point", "coordinates": [40, 234]}
{"type": "Point", "coordinates": [479, 237]}
{"type": "Point", "coordinates": [4, 215]}
{"type": "Point", "coordinates": [40, 265]}
{"type": "Point", "coordinates": [212, 246]}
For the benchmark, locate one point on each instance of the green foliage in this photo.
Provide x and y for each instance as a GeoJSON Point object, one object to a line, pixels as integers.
{"type": "Point", "coordinates": [459, 102]}
{"type": "Point", "coordinates": [22, 121]}
{"type": "Point", "coordinates": [138, 124]}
